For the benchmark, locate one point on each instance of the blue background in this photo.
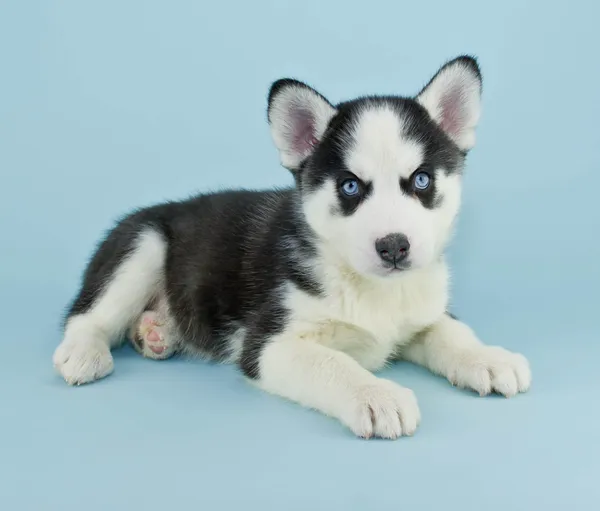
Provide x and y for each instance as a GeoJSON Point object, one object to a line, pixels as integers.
{"type": "Point", "coordinates": [109, 105]}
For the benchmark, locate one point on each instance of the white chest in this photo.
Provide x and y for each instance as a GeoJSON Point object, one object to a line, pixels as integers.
{"type": "Point", "coordinates": [370, 320]}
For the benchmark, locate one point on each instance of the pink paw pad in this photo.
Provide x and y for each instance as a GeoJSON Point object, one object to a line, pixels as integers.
{"type": "Point", "coordinates": [150, 338]}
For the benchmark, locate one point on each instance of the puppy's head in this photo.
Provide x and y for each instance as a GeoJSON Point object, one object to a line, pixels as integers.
{"type": "Point", "coordinates": [380, 177]}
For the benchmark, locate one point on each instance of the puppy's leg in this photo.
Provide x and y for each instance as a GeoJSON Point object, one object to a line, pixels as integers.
{"type": "Point", "coordinates": [115, 292]}
{"type": "Point", "coordinates": [451, 349]}
{"type": "Point", "coordinates": [333, 383]}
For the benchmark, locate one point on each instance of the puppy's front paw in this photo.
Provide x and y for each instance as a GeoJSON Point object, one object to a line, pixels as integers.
{"type": "Point", "coordinates": [383, 409]}
{"type": "Point", "coordinates": [82, 362]}
{"type": "Point", "coordinates": [488, 369]}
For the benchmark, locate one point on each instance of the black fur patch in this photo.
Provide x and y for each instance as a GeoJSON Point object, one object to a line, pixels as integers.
{"type": "Point", "coordinates": [225, 265]}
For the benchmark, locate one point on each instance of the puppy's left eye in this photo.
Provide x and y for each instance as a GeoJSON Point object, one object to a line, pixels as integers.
{"type": "Point", "coordinates": [350, 187]}
{"type": "Point", "coordinates": [421, 181]}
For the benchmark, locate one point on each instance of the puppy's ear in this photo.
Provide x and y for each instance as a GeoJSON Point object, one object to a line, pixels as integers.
{"type": "Point", "coordinates": [453, 100]}
{"type": "Point", "coordinates": [298, 116]}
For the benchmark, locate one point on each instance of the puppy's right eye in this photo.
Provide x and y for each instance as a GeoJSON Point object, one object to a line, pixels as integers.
{"type": "Point", "coordinates": [350, 187]}
{"type": "Point", "coordinates": [421, 181]}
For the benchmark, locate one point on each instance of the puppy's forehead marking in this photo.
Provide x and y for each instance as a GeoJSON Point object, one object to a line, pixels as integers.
{"type": "Point", "coordinates": [380, 147]}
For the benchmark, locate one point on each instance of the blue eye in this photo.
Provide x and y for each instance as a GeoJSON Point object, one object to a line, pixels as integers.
{"type": "Point", "coordinates": [422, 181]}
{"type": "Point", "coordinates": [350, 187]}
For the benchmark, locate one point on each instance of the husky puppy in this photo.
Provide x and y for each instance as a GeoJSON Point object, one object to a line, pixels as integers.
{"type": "Point", "coordinates": [309, 289]}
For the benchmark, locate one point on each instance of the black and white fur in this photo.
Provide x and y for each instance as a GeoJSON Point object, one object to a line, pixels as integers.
{"type": "Point", "coordinates": [309, 289]}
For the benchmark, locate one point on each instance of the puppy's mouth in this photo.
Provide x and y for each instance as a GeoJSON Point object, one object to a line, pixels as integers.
{"type": "Point", "coordinates": [395, 267]}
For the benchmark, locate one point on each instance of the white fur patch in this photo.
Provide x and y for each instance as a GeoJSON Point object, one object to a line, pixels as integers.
{"type": "Point", "coordinates": [236, 344]}
{"type": "Point", "coordinates": [367, 318]}
{"type": "Point", "coordinates": [379, 151]}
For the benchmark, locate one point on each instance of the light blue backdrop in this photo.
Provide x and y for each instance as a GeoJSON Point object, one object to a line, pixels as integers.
{"type": "Point", "coordinates": [109, 105]}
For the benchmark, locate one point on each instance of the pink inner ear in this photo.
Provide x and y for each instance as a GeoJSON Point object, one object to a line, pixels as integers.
{"type": "Point", "coordinates": [453, 112]}
{"type": "Point", "coordinates": [303, 131]}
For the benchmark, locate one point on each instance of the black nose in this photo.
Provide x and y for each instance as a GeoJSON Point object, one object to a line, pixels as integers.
{"type": "Point", "coordinates": [393, 248]}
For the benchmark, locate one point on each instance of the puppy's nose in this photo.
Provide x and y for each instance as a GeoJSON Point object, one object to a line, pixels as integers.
{"type": "Point", "coordinates": [393, 248]}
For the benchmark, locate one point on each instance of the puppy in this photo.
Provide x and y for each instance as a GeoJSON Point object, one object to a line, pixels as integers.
{"type": "Point", "coordinates": [310, 289]}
